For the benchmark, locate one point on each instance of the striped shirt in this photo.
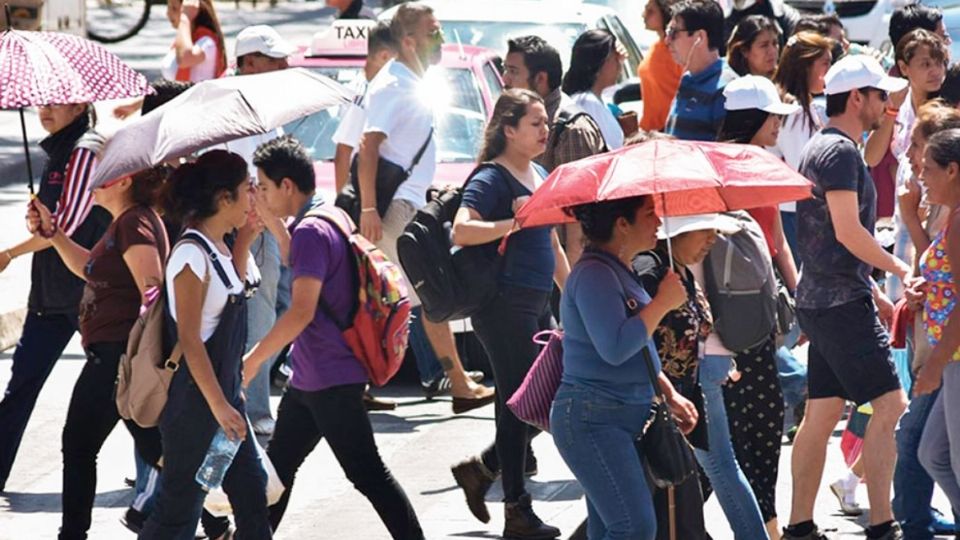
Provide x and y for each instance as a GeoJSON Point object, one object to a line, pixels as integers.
{"type": "Point", "coordinates": [698, 110]}
{"type": "Point", "coordinates": [76, 199]}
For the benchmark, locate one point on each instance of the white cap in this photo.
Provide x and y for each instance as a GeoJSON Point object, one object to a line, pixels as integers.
{"type": "Point", "coordinates": [262, 39]}
{"type": "Point", "coordinates": [755, 92]}
{"type": "Point", "coordinates": [721, 223]}
{"type": "Point", "coordinates": [860, 71]}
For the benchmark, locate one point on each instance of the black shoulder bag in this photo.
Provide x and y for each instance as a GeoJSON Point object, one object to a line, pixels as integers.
{"type": "Point", "coordinates": [668, 456]}
{"type": "Point", "coordinates": [389, 177]}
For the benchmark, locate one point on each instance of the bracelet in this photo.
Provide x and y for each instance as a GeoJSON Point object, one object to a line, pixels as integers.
{"type": "Point", "coordinates": [365, 210]}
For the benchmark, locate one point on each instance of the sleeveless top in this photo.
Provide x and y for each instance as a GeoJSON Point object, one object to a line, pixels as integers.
{"type": "Point", "coordinates": [183, 73]}
{"type": "Point", "coordinates": [942, 291]}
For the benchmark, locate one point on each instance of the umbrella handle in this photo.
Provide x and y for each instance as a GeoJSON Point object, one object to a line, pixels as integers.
{"type": "Point", "coordinates": [26, 146]}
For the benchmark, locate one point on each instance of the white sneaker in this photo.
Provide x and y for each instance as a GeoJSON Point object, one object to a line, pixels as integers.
{"type": "Point", "coordinates": [847, 499]}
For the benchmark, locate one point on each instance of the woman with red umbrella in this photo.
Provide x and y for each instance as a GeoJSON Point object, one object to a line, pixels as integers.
{"type": "Point", "coordinates": [754, 113]}
{"type": "Point", "coordinates": [53, 305]}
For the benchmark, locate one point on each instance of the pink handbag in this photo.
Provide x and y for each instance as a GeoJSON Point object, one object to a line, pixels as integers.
{"type": "Point", "coordinates": [532, 401]}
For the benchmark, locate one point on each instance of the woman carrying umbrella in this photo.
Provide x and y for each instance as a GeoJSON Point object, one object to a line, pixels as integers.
{"type": "Point", "coordinates": [532, 262]}
{"type": "Point", "coordinates": [754, 113]}
{"type": "Point", "coordinates": [120, 271]}
{"type": "Point", "coordinates": [198, 52]}
{"type": "Point", "coordinates": [606, 393]}
{"type": "Point", "coordinates": [52, 310]}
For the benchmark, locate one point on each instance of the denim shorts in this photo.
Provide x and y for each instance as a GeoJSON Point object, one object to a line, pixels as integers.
{"type": "Point", "coordinates": [849, 354]}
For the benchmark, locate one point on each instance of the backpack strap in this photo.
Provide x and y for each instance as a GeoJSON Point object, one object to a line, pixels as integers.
{"type": "Point", "coordinates": [172, 363]}
{"type": "Point", "coordinates": [344, 225]}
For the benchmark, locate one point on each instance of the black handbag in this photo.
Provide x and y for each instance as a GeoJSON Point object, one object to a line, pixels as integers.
{"type": "Point", "coordinates": [389, 177]}
{"type": "Point", "coordinates": [668, 455]}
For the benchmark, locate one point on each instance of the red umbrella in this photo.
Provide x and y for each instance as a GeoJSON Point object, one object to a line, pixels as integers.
{"type": "Point", "coordinates": [691, 178]}
{"type": "Point", "coordinates": [47, 68]}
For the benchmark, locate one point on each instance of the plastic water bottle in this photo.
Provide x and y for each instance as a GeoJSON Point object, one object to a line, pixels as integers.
{"type": "Point", "coordinates": [829, 7]}
{"type": "Point", "coordinates": [219, 457]}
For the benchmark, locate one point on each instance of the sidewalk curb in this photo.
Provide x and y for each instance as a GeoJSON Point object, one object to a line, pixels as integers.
{"type": "Point", "coordinates": [11, 324]}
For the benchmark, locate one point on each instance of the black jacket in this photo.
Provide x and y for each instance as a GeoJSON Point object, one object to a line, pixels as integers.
{"type": "Point", "coordinates": [54, 289]}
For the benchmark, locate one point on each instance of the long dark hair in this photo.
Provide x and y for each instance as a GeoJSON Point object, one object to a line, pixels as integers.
{"type": "Point", "coordinates": [944, 147]}
{"type": "Point", "coordinates": [510, 108]}
{"type": "Point", "coordinates": [744, 34]}
{"type": "Point", "coordinates": [192, 191]}
{"type": "Point", "coordinates": [740, 126]}
{"type": "Point", "coordinates": [793, 70]}
{"type": "Point", "coordinates": [590, 51]}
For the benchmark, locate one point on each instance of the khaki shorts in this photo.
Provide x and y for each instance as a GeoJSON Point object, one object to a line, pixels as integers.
{"type": "Point", "coordinates": [399, 214]}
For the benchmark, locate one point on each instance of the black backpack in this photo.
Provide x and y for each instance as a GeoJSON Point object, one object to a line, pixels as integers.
{"type": "Point", "coordinates": [452, 282]}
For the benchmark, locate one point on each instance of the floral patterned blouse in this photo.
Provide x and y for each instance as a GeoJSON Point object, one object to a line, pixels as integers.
{"type": "Point", "coordinates": [942, 292]}
{"type": "Point", "coordinates": [683, 331]}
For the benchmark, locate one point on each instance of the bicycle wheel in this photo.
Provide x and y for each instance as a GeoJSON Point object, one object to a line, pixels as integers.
{"type": "Point", "coordinates": [110, 21]}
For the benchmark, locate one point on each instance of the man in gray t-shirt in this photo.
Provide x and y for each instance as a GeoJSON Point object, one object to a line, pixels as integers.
{"type": "Point", "coordinates": [837, 302]}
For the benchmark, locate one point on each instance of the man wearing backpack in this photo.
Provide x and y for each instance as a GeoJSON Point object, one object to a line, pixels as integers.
{"type": "Point", "coordinates": [399, 133]}
{"type": "Point", "coordinates": [533, 64]}
{"type": "Point", "coordinates": [325, 396]}
{"type": "Point", "coordinates": [837, 301]}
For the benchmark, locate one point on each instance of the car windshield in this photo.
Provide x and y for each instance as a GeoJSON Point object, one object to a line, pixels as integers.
{"type": "Point", "coordinates": [459, 123]}
{"type": "Point", "coordinates": [494, 34]}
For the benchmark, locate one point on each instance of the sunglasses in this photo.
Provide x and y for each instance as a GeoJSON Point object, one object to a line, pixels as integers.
{"type": "Point", "coordinates": [672, 32]}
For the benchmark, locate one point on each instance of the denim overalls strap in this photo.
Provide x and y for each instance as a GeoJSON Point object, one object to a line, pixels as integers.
{"type": "Point", "coordinates": [225, 347]}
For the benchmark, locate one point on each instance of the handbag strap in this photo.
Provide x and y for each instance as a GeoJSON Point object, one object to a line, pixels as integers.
{"type": "Point", "coordinates": [172, 363]}
{"type": "Point", "coordinates": [419, 154]}
{"type": "Point", "coordinates": [647, 357]}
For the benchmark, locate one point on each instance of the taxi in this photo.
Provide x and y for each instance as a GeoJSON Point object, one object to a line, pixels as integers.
{"type": "Point", "coordinates": [464, 87]}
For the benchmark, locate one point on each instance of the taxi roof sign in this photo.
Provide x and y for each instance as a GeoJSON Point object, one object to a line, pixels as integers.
{"type": "Point", "coordinates": [343, 37]}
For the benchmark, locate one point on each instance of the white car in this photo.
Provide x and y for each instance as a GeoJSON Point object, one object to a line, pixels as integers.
{"type": "Point", "coordinates": [490, 23]}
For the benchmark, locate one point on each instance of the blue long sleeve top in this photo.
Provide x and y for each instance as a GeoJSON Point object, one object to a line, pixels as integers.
{"type": "Point", "coordinates": [603, 341]}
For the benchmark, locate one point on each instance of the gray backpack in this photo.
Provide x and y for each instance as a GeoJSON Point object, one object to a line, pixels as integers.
{"type": "Point", "coordinates": [741, 287]}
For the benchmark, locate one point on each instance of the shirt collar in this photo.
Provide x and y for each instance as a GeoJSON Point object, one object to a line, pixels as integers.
{"type": "Point", "coordinates": [552, 103]}
{"type": "Point", "coordinates": [313, 202]}
{"type": "Point", "coordinates": [713, 70]}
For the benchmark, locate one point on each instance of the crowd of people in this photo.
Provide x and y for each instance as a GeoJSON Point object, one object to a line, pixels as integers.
{"type": "Point", "coordinates": [255, 276]}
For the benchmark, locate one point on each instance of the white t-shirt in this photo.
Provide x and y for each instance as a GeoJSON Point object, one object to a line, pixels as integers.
{"type": "Point", "coordinates": [396, 109]}
{"type": "Point", "coordinates": [191, 255]}
{"type": "Point", "coordinates": [203, 71]}
{"type": "Point", "coordinates": [353, 118]}
{"type": "Point", "coordinates": [794, 135]}
{"type": "Point", "coordinates": [609, 127]}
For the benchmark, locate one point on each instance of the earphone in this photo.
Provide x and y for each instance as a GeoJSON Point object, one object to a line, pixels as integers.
{"type": "Point", "coordinates": [697, 41]}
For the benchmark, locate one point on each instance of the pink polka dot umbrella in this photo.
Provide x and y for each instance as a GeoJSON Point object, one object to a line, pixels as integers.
{"type": "Point", "coordinates": [48, 68]}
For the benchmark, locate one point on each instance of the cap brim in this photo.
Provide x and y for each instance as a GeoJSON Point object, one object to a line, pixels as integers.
{"type": "Point", "coordinates": [892, 84]}
{"type": "Point", "coordinates": [781, 108]}
{"type": "Point", "coordinates": [721, 223]}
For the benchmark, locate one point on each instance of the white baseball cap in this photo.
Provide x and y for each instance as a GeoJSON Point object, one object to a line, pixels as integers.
{"type": "Point", "coordinates": [860, 71]}
{"type": "Point", "coordinates": [675, 226]}
{"type": "Point", "coordinates": [755, 92]}
{"type": "Point", "coordinates": [262, 39]}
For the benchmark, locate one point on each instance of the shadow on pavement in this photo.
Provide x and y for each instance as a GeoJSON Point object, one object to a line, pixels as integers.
{"type": "Point", "coordinates": [27, 503]}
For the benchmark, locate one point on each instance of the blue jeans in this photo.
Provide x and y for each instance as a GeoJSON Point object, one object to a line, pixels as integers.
{"type": "Point", "coordinates": [427, 363]}
{"type": "Point", "coordinates": [595, 436]}
{"type": "Point", "coordinates": [261, 316]}
{"type": "Point", "coordinates": [720, 463]}
{"type": "Point", "coordinates": [912, 485]}
{"type": "Point", "coordinates": [41, 343]}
